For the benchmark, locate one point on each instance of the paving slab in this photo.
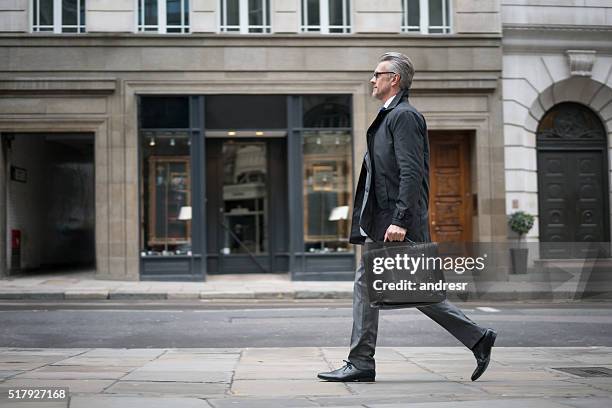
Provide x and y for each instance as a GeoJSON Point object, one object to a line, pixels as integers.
{"type": "Point", "coordinates": [418, 387]}
{"type": "Point", "coordinates": [190, 365]}
{"type": "Point", "coordinates": [167, 388]}
{"type": "Point", "coordinates": [37, 404]}
{"type": "Point", "coordinates": [236, 402]}
{"type": "Point", "coordinates": [581, 402]}
{"type": "Point", "coordinates": [27, 353]}
{"type": "Point", "coordinates": [286, 388]}
{"type": "Point", "coordinates": [520, 388]}
{"type": "Point", "coordinates": [405, 399]}
{"type": "Point", "coordinates": [6, 374]}
{"type": "Point", "coordinates": [75, 386]}
{"type": "Point", "coordinates": [136, 402]}
{"type": "Point", "coordinates": [9, 366]}
{"type": "Point", "coordinates": [76, 373]}
{"type": "Point", "coordinates": [180, 376]}
{"type": "Point", "coordinates": [489, 403]}
{"type": "Point", "coordinates": [124, 352]}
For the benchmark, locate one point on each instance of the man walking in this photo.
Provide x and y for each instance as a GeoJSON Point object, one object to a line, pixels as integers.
{"type": "Point", "coordinates": [391, 204]}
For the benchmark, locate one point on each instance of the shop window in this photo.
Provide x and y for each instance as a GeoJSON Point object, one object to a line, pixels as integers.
{"type": "Point", "coordinates": [165, 193]}
{"type": "Point", "coordinates": [165, 174]}
{"type": "Point", "coordinates": [327, 173]}
{"type": "Point", "coordinates": [327, 190]}
{"type": "Point", "coordinates": [245, 16]}
{"type": "Point", "coordinates": [58, 16]}
{"type": "Point", "coordinates": [326, 111]}
{"type": "Point", "coordinates": [326, 16]}
{"type": "Point", "coordinates": [163, 16]}
{"type": "Point", "coordinates": [426, 16]}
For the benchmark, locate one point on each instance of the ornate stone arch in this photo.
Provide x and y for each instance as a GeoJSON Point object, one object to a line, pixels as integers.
{"type": "Point", "coordinates": [586, 91]}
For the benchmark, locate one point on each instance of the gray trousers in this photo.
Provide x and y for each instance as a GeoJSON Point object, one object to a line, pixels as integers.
{"type": "Point", "coordinates": [365, 324]}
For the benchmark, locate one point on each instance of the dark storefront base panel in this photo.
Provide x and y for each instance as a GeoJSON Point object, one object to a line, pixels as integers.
{"type": "Point", "coordinates": [175, 268]}
{"type": "Point", "coordinates": [324, 267]}
{"type": "Point", "coordinates": [245, 264]}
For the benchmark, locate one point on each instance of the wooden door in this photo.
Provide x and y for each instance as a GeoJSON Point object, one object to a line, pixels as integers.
{"type": "Point", "coordinates": [450, 196]}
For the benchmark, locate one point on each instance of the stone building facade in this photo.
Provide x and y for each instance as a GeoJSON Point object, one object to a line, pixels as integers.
{"type": "Point", "coordinates": [272, 102]}
{"type": "Point", "coordinates": [557, 87]}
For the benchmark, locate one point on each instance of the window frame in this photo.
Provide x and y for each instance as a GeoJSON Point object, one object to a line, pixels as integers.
{"type": "Point", "coordinates": [424, 27]}
{"type": "Point", "coordinates": [162, 18]}
{"type": "Point", "coordinates": [324, 23]}
{"type": "Point", "coordinates": [57, 26]}
{"type": "Point", "coordinates": [243, 26]}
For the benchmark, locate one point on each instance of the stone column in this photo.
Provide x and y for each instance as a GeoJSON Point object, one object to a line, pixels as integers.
{"type": "Point", "coordinates": [204, 16]}
{"type": "Point", "coordinates": [14, 16]}
{"type": "Point", "coordinates": [110, 16]}
{"type": "Point", "coordinates": [286, 16]}
{"type": "Point", "coordinates": [476, 17]}
{"type": "Point", "coordinates": [376, 16]}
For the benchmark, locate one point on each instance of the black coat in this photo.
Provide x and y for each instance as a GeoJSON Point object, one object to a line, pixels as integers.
{"type": "Point", "coordinates": [398, 154]}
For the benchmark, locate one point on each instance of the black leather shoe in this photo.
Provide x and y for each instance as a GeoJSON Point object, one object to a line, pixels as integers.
{"type": "Point", "coordinates": [349, 373]}
{"type": "Point", "coordinates": [482, 352]}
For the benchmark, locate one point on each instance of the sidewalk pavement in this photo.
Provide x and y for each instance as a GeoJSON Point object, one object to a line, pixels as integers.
{"type": "Point", "coordinates": [418, 377]}
{"type": "Point", "coordinates": [83, 286]}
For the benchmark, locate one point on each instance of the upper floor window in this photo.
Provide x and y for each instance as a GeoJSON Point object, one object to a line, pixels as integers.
{"type": "Point", "coordinates": [58, 16]}
{"type": "Point", "coordinates": [326, 16]}
{"type": "Point", "coordinates": [426, 16]}
{"type": "Point", "coordinates": [245, 16]}
{"type": "Point", "coordinates": [163, 16]}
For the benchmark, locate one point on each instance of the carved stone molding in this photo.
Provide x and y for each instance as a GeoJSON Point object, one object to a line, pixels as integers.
{"type": "Point", "coordinates": [581, 62]}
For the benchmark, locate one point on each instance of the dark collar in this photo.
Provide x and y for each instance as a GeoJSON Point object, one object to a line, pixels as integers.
{"type": "Point", "coordinates": [397, 99]}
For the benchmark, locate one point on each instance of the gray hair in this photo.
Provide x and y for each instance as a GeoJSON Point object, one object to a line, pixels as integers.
{"type": "Point", "coordinates": [401, 65]}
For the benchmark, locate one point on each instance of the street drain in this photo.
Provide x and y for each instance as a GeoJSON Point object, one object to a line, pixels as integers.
{"type": "Point", "coordinates": [587, 371]}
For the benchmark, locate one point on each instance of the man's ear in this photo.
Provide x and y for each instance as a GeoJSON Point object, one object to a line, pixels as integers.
{"type": "Point", "coordinates": [396, 79]}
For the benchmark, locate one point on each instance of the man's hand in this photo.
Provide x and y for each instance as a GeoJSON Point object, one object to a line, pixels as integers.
{"type": "Point", "coordinates": [395, 233]}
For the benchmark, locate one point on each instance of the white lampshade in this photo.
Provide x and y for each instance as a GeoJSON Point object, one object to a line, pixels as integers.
{"type": "Point", "coordinates": [339, 213]}
{"type": "Point", "coordinates": [185, 213]}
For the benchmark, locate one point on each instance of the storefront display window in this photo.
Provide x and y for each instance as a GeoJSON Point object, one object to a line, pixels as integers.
{"type": "Point", "coordinates": [327, 157]}
{"type": "Point", "coordinates": [166, 193]}
{"type": "Point", "coordinates": [327, 190]}
{"type": "Point", "coordinates": [166, 177]}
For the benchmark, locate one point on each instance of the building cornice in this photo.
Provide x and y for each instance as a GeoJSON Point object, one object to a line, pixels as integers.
{"type": "Point", "coordinates": [228, 40]}
{"type": "Point", "coordinates": [425, 83]}
{"type": "Point", "coordinates": [552, 38]}
{"type": "Point", "coordinates": [50, 85]}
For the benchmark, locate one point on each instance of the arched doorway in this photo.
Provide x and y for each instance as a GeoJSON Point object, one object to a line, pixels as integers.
{"type": "Point", "coordinates": [572, 177]}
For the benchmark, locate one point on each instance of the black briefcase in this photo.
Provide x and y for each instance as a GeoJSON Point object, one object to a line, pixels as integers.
{"type": "Point", "coordinates": [396, 272]}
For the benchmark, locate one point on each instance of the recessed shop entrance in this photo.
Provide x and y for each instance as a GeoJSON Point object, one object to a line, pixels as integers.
{"type": "Point", "coordinates": [50, 193]}
{"type": "Point", "coordinates": [246, 190]}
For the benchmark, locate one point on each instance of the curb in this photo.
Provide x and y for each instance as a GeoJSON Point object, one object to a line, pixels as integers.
{"type": "Point", "coordinates": [104, 294]}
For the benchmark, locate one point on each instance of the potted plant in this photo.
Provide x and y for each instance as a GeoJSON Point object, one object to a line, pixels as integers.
{"type": "Point", "coordinates": [521, 223]}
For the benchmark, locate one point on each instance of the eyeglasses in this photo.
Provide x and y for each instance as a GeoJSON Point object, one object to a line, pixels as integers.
{"type": "Point", "coordinates": [377, 74]}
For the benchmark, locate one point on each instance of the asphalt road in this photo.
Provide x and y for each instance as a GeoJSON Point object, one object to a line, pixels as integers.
{"type": "Point", "coordinates": [285, 324]}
